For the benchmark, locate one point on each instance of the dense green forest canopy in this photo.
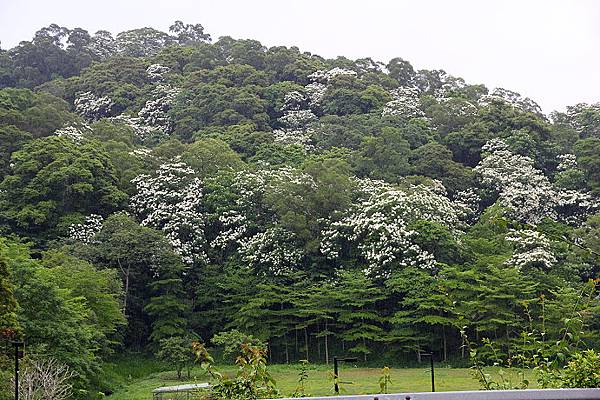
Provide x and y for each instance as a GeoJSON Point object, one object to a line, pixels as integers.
{"type": "Point", "coordinates": [164, 185]}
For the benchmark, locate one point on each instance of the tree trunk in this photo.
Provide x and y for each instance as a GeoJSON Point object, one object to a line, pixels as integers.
{"type": "Point", "coordinates": [508, 342]}
{"type": "Point", "coordinates": [326, 345]}
{"type": "Point", "coordinates": [365, 346]}
{"type": "Point", "coordinates": [306, 341]}
{"type": "Point", "coordinates": [296, 342]}
{"type": "Point", "coordinates": [318, 342]}
{"type": "Point", "coordinates": [445, 343]}
{"type": "Point", "coordinates": [269, 352]}
{"type": "Point", "coordinates": [125, 273]}
{"type": "Point", "coordinates": [287, 352]}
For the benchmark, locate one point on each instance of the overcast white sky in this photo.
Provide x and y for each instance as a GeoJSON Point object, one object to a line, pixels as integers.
{"type": "Point", "coordinates": [548, 50]}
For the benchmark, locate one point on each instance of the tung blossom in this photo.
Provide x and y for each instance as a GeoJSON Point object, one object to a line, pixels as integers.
{"type": "Point", "coordinates": [170, 200]}
{"type": "Point", "coordinates": [93, 107]}
{"type": "Point", "coordinates": [405, 103]}
{"type": "Point", "coordinates": [531, 248]}
{"type": "Point", "coordinates": [157, 72]}
{"type": "Point", "coordinates": [264, 245]}
{"type": "Point", "coordinates": [525, 191]}
{"type": "Point", "coordinates": [155, 111]}
{"type": "Point", "coordinates": [86, 231]}
{"type": "Point", "coordinates": [73, 133]}
{"type": "Point", "coordinates": [378, 226]}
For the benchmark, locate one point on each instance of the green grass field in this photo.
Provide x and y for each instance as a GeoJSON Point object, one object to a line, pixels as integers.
{"type": "Point", "coordinates": [138, 379]}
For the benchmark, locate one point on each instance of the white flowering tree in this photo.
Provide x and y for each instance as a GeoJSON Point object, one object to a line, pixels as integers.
{"type": "Point", "coordinates": [142, 131]}
{"type": "Point", "coordinates": [525, 191]}
{"type": "Point", "coordinates": [250, 227]}
{"type": "Point", "coordinates": [531, 249]}
{"type": "Point", "coordinates": [86, 231]}
{"type": "Point", "coordinates": [405, 103]}
{"type": "Point", "coordinates": [155, 111]}
{"type": "Point", "coordinates": [377, 226]}
{"type": "Point", "coordinates": [153, 123]}
{"type": "Point", "coordinates": [171, 200]}
{"type": "Point", "coordinates": [74, 133]}
{"type": "Point", "coordinates": [157, 72]}
{"type": "Point", "coordinates": [93, 107]}
{"type": "Point", "coordinates": [295, 121]}
{"type": "Point", "coordinates": [319, 82]}
{"type": "Point", "coordinates": [522, 189]}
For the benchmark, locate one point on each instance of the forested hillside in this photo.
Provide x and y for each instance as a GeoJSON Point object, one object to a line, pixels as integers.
{"type": "Point", "coordinates": [165, 185]}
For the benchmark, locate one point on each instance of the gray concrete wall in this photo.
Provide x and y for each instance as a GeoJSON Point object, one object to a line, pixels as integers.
{"type": "Point", "coordinates": [529, 394]}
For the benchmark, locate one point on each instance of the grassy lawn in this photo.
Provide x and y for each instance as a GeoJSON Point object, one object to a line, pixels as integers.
{"type": "Point", "coordinates": [138, 386]}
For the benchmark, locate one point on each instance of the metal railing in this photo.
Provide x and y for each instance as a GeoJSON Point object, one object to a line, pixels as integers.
{"type": "Point", "coordinates": [528, 394]}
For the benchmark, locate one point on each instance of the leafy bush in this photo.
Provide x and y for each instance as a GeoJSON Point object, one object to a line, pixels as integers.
{"type": "Point", "coordinates": [231, 342]}
{"type": "Point", "coordinates": [252, 380]}
{"type": "Point", "coordinates": [582, 371]}
{"type": "Point", "coordinates": [177, 351]}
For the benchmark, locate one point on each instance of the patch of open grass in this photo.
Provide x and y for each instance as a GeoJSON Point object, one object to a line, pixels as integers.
{"type": "Point", "coordinates": [365, 380]}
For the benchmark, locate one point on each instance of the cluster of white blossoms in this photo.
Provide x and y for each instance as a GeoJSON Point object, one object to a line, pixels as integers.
{"type": "Point", "coordinates": [315, 91]}
{"type": "Point", "coordinates": [301, 137]}
{"type": "Point", "coordinates": [468, 201]}
{"type": "Point", "coordinates": [512, 98]}
{"type": "Point", "coordinates": [406, 103]}
{"type": "Point", "coordinates": [74, 133]}
{"type": "Point", "coordinates": [157, 72]}
{"type": "Point", "coordinates": [170, 200]}
{"type": "Point", "coordinates": [295, 122]}
{"type": "Point", "coordinates": [531, 249]}
{"type": "Point", "coordinates": [155, 111]}
{"type": "Point", "coordinates": [153, 120]}
{"type": "Point", "coordinates": [86, 231]}
{"type": "Point", "coordinates": [294, 101]}
{"type": "Point", "coordinates": [141, 152]}
{"type": "Point", "coordinates": [525, 191]}
{"type": "Point", "coordinates": [566, 162]}
{"type": "Point", "coordinates": [377, 225]}
{"type": "Point", "coordinates": [322, 76]}
{"type": "Point", "coordinates": [271, 249]}
{"type": "Point", "coordinates": [141, 130]}
{"type": "Point", "coordinates": [297, 119]}
{"type": "Point", "coordinates": [93, 107]}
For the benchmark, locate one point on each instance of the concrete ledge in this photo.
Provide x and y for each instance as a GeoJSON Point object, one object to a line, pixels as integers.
{"type": "Point", "coordinates": [528, 394]}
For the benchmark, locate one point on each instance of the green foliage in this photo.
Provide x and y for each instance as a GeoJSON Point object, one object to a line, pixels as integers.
{"type": "Point", "coordinates": [8, 305]}
{"type": "Point", "coordinates": [177, 351]}
{"type": "Point", "coordinates": [582, 371]}
{"type": "Point", "coordinates": [285, 145]}
{"type": "Point", "coordinates": [302, 379]}
{"type": "Point", "coordinates": [503, 379]}
{"type": "Point", "coordinates": [151, 274]}
{"type": "Point", "coordinates": [201, 156]}
{"type": "Point", "coordinates": [385, 380]}
{"type": "Point", "coordinates": [40, 114]}
{"type": "Point", "coordinates": [67, 309]}
{"type": "Point", "coordinates": [53, 181]}
{"type": "Point", "coordinates": [588, 157]}
{"type": "Point", "coordinates": [252, 380]}
{"type": "Point", "coordinates": [231, 342]}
